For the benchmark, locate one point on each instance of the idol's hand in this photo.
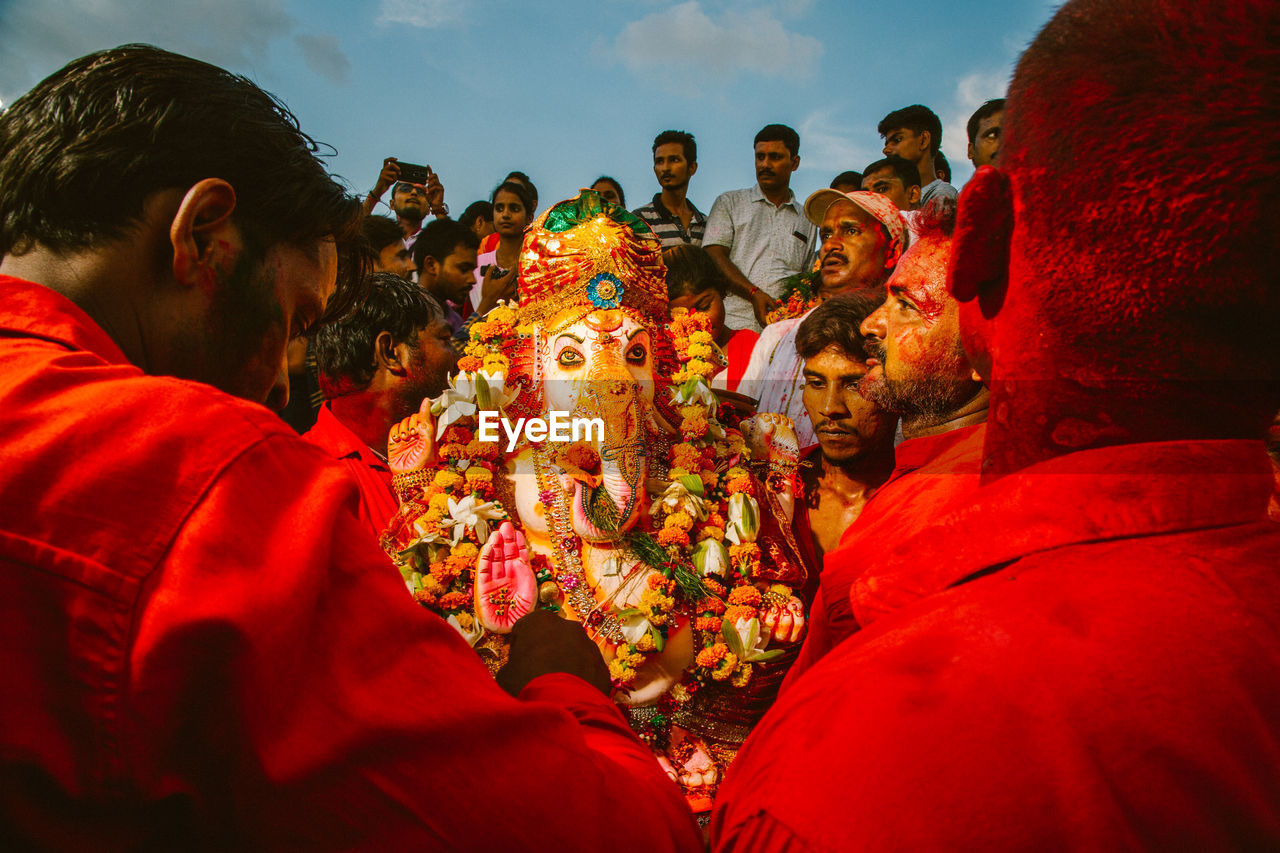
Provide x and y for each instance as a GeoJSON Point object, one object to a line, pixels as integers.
{"type": "Point", "coordinates": [785, 622]}
{"type": "Point", "coordinates": [505, 587]}
{"type": "Point", "coordinates": [411, 444]}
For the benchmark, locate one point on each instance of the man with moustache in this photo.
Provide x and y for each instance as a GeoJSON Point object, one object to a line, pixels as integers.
{"type": "Point", "coordinates": [1085, 655]}
{"type": "Point", "coordinates": [671, 215]}
{"type": "Point", "coordinates": [917, 369]}
{"type": "Point", "coordinates": [863, 235]}
{"type": "Point", "coordinates": [758, 235]}
{"type": "Point", "coordinates": [409, 202]}
{"type": "Point", "coordinates": [376, 366]}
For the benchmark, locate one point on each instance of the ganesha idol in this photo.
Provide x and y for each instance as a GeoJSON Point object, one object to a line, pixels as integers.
{"type": "Point", "coordinates": [667, 533]}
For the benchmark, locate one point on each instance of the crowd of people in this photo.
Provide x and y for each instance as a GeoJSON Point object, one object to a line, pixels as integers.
{"type": "Point", "coordinates": [1041, 521]}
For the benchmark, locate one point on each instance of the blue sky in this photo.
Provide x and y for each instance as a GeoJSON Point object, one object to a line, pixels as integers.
{"type": "Point", "coordinates": [567, 91]}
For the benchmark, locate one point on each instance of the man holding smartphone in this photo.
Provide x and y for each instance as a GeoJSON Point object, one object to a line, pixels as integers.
{"type": "Point", "coordinates": [417, 191]}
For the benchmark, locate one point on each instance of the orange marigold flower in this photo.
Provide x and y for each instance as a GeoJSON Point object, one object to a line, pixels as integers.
{"type": "Point", "coordinates": [745, 594]}
{"type": "Point", "coordinates": [470, 364]}
{"type": "Point", "coordinates": [740, 611]}
{"type": "Point", "coordinates": [479, 474]}
{"type": "Point", "coordinates": [713, 586]}
{"type": "Point", "coordinates": [710, 604]}
{"type": "Point", "coordinates": [711, 656]}
{"type": "Point", "coordinates": [451, 452]}
{"type": "Point", "coordinates": [483, 449]}
{"type": "Point", "coordinates": [657, 581]}
{"type": "Point", "coordinates": [672, 536]}
{"type": "Point", "coordinates": [707, 623]}
{"type": "Point", "coordinates": [455, 601]}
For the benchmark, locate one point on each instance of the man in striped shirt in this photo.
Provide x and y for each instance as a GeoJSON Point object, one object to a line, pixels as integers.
{"type": "Point", "coordinates": [671, 215]}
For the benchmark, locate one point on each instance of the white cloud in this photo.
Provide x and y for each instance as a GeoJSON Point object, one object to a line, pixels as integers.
{"type": "Point", "coordinates": [420, 13]}
{"type": "Point", "coordinates": [324, 56]}
{"type": "Point", "coordinates": [826, 147]}
{"type": "Point", "coordinates": [39, 36]}
{"type": "Point", "coordinates": [972, 91]}
{"type": "Point", "coordinates": [683, 43]}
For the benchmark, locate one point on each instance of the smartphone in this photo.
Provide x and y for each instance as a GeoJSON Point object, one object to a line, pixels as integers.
{"type": "Point", "coordinates": [413, 173]}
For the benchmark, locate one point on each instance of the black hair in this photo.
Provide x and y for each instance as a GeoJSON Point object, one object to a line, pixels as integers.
{"type": "Point", "coordinates": [440, 237]}
{"type": "Point", "coordinates": [622, 197]}
{"type": "Point", "coordinates": [344, 350]}
{"type": "Point", "coordinates": [685, 140]}
{"type": "Point", "coordinates": [477, 210]}
{"type": "Point", "coordinates": [837, 321]}
{"type": "Point", "coordinates": [850, 177]}
{"type": "Point", "coordinates": [691, 270]}
{"type": "Point", "coordinates": [84, 149]}
{"type": "Point", "coordinates": [917, 118]}
{"type": "Point", "coordinates": [903, 169]}
{"type": "Point", "coordinates": [520, 191]}
{"type": "Point", "coordinates": [987, 110]}
{"type": "Point", "coordinates": [381, 231]}
{"type": "Point", "coordinates": [522, 178]}
{"type": "Point", "coordinates": [942, 166]}
{"type": "Point", "coordinates": [780, 133]}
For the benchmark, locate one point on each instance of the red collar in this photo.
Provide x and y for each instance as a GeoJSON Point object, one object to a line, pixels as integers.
{"type": "Point", "coordinates": [336, 438]}
{"type": "Point", "coordinates": [28, 309]}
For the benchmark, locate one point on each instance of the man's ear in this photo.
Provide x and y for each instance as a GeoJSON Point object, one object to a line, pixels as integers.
{"type": "Point", "coordinates": [979, 265]}
{"type": "Point", "coordinates": [913, 194]}
{"type": "Point", "coordinates": [206, 243]}
{"type": "Point", "coordinates": [389, 355]}
{"type": "Point", "coordinates": [693, 168]}
{"type": "Point", "coordinates": [926, 141]}
{"type": "Point", "coordinates": [795, 164]}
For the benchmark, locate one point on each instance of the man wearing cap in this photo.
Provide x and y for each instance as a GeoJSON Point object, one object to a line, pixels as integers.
{"type": "Point", "coordinates": [862, 236]}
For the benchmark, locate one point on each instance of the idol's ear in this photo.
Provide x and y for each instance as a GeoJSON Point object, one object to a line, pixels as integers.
{"type": "Point", "coordinates": [979, 266]}
{"type": "Point", "coordinates": [206, 243]}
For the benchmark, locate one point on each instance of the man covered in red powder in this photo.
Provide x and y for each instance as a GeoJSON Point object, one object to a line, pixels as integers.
{"type": "Point", "coordinates": [203, 649]}
{"type": "Point", "coordinates": [917, 369]}
{"type": "Point", "coordinates": [1091, 660]}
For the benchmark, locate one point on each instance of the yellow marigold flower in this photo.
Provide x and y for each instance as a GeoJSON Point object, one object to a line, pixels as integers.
{"type": "Point", "coordinates": [645, 644]}
{"type": "Point", "coordinates": [477, 474]}
{"type": "Point", "coordinates": [681, 521]}
{"type": "Point", "coordinates": [676, 473]}
{"type": "Point", "coordinates": [466, 551]}
{"type": "Point", "coordinates": [621, 674]}
{"type": "Point", "coordinates": [495, 363]}
{"type": "Point", "coordinates": [465, 620]}
{"type": "Point", "coordinates": [439, 501]}
{"type": "Point", "coordinates": [743, 675]}
{"type": "Point", "coordinates": [700, 337]}
{"type": "Point", "coordinates": [725, 668]}
{"type": "Point", "coordinates": [447, 480]}
{"type": "Point", "coordinates": [699, 350]}
{"type": "Point", "coordinates": [432, 584]}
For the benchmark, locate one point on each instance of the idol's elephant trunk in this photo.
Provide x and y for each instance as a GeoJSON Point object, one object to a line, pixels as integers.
{"type": "Point", "coordinates": [616, 399]}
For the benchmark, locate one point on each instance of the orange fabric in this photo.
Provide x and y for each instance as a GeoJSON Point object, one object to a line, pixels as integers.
{"type": "Point", "coordinates": [204, 649]}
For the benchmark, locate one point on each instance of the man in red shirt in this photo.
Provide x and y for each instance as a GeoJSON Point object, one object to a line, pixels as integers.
{"type": "Point", "coordinates": [918, 369]}
{"type": "Point", "coordinates": [1084, 656]}
{"type": "Point", "coordinates": [202, 646]}
{"type": "Point", "coordinates": [376, 367]}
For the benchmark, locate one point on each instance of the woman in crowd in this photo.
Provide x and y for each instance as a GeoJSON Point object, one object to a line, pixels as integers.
{"type": "Point", "coordinates": [512, 213]}
{"type": "Point", "coordinates": [610, 190]}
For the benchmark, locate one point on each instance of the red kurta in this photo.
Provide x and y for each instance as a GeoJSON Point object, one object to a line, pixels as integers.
{"type": "Point", "coordinates": [372, 476]}
{"type": "Point", "coordinates": [1087, 657]}
{"type": "Point", "coordinates": [929, 473]}
{"type": "Point", "coordinates": [202, 646]}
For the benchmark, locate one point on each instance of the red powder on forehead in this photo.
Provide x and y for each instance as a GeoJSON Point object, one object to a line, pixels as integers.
{"type": "Point", "coordinates": [922, 275]}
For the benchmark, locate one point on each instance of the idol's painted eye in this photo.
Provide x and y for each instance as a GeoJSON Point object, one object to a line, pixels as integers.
{"type": "Point", "coordinates": [570, 357]}
{"type": "Point", "coordinates": [637, 354]}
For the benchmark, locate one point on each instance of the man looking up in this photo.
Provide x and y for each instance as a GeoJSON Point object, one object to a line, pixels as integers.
{"type": "Point", "coordinates": [1091, 657]}
{"type": "Point", "coordinates": [671, 215]}
{"type": "Point", "coordinates": [984, 133]}
{"type": "Point", "coordinates": [203, 648]}
{"type": "Point", "coordinates": [914, 133]}
{"type": "Point", "coordinates": [758, 235]}
{"type": "Point", "coordinates": [854, 454]}
{"type": "Point", "coordinates": [410, 202]}
{"type": "Point", "coordinates": [863, 236]}
{"type": "Point", "coordinates": [376, 367]}
{"type": "Point", "coordinates": [917, 369]}
{"type": "Point", "coordinates": [386, 241]}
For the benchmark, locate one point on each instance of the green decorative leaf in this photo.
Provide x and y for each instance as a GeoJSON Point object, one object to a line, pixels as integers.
{"type": "Point", "coordinates": [628, 612]}
{"type": "Point", "coordinates": [693, 483]}
{"type": "Point", "coordinates": [732, 639]}
{"type": "Point", "coordinates": [659, 641]}
{"type": "Point", "coordinates": [483, 395]}
{"type": "Point", "coordinates": [761, 657]}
